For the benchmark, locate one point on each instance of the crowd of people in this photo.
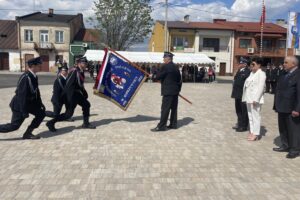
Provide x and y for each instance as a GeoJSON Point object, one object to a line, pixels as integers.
{"type": "Point", "coordinates": [250, 84]}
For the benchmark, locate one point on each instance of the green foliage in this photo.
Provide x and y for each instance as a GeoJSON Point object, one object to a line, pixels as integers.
{"type": "Point", "coordinates": [123, 22]}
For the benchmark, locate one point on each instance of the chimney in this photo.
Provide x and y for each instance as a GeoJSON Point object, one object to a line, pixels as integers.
{"type": "Point", "coordinates": [186, 19]}
{"type": "Point", "coordinates": [219, 20]}
{"type": "Point", "coordinates": [51, 12]}
{"type": "Point", "coordinates": [280, 22]}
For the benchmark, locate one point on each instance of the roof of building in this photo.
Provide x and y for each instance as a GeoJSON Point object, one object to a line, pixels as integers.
{"type": "Point", "coordinates": [87, 35]}
{"type": "Point", "coordinates": [196, 25]}
{"type": "Point", "coordinates": [45, 17]}
{"type": "Point", "coordinates": [253, 27]}
{"type": "Point", "coordinates": [227, 25]}
{"type": "Point", "coordinates": [8, 34]}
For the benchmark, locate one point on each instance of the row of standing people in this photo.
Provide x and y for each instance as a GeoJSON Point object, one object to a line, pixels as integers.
{"type": "Point", "coordinates": [248, 92]}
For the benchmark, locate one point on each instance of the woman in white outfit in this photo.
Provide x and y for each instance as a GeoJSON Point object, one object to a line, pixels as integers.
{"type": "Point", "coordinates": [253, 96]}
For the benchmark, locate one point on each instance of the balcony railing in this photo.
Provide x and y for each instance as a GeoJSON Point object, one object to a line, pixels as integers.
{"type": "Point", "coordinates": [214, 49]}
{"type": "Point", "coordinates": [269, 50]}
{"type": "Point", "coordinates": [44, 45]}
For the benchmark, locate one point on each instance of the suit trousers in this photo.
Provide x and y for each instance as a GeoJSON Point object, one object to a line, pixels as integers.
{"type": "Point", "coordinates": [169, 103]}
{"type": "Point", "coordinates": [241, 112]}
{"type": "Point", "coordinates": [254, 118]}
{"type": "Point", "coordinates": [17, 119]}
{"type": "Point", "coordinates": [289, 129]}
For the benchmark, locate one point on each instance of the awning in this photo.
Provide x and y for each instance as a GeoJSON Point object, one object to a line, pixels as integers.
{"type": "Point", "coordinates": [269, 35]}
{"type": "Point", "coordinates": [153, 57]}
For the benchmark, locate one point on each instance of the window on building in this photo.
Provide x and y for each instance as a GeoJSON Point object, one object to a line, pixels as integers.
{"type": "Point", "coordinates": [282, 44]}
{"type": "Point", "coordinates": [267, 44]}
{"type": "Point", "coordinates": [59, 36]}
{"type": "Point", "coordinates": [245, 43]}
{"type": "Point", "coordinates": [211, 44]}
{"type": "Point", "coordinates": [28, 35]}
{"type": "Point", "coordinates": [44, 36]}
{"type": "Point", "coordinates": [180, 42]}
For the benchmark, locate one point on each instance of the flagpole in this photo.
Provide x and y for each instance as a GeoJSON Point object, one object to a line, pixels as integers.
{"type": "Point", "coordinates": [287, 35]}
{"type": "Point", "coordinates": [262, 27]}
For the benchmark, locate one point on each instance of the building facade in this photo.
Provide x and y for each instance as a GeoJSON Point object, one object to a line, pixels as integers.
{"type": "Point", "coordinates": [9, 48]}
{"type": "Point", "coordinates": [223, 41]}
{"type": "Point", "coordinates": [47, 35]}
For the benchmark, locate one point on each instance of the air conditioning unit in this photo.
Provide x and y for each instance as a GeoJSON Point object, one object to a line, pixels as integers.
{"type": "Point", "coordinates": [250, 50]}
{"type": "Point", "coordinates": [84, 44]}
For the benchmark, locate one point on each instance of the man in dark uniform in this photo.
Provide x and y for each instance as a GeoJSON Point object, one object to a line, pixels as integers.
{"type": "Point", "coordinates": [170, 78]}
{"type": "Point", "coordinates": [75, 95]}
{"type": "Point", "coordinates": [27, 100]}
{"type": "Point", "coordinates": [237, 93]}
{"type": "Point", "coordinates": [58, 98]}
{"type": "Point", "coordinates": [268, 79]}
{"type": "Point", "coordinates": [274, 78]}
{"type": "Point", "coordinates": [287, 105]}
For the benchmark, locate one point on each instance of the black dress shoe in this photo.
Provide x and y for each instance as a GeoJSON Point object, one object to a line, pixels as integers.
{"type": "Point", "coordinates": [31, 137]}
{"type": "Point", "coordinates": [241, 129]}
{"type": "Point", "coordinates": [281, 149]}
{"type": "Point", "coordinates": [157, 129]}
{"type": "Point", "coordinates": [292, 155]}
{"type": "Point", "coordinates": [51, 126]}
{"type": "Point", "coordinates": [88, 126]}
{"type": "Point", "coordinates": [172, 127]}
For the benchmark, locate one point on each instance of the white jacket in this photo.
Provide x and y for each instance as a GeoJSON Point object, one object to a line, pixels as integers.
{"type": "Point", "coordinates": [254, 87]}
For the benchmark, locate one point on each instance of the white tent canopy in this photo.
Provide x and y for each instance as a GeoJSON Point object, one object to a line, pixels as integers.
{"type": "Point", "coordinates": [152, 57]}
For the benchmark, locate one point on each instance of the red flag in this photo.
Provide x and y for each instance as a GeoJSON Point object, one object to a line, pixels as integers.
{"type": "Point", "coordinates": [263, 16]}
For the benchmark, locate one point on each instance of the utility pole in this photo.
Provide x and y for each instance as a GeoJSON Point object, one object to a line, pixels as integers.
{"type": "Point", "coordinates": [166, 27]}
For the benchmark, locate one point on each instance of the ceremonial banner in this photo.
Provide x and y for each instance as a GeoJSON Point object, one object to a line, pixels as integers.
{"type": "Point", "coordinates": [118, 80]}
{"type": "Point", "coordinates": [294, 30]}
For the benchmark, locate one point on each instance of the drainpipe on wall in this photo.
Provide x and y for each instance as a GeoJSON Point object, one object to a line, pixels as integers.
{"type": "Point", "coordinates": [19, 42]}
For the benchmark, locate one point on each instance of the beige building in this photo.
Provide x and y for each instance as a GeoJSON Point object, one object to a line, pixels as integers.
{"type": "Point", "coordinates": [47, 35]}
{"type": "Point", "coordinates": [214, 40]}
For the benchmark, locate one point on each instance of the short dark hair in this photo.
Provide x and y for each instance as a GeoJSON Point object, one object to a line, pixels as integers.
{"type": "Point", "coordinates": [257, 60]}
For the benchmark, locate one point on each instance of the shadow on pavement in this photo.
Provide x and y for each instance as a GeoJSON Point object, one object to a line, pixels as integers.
{"type": "Point", "coordinates": [61, 131]}
{"type": "Point", "coordinates": [138, 118]}
{"type": "Point", "coordinates": [184, 122]}
{"type": "Point", "coordinates": [11, 139]}
{"type": "Point", "coordinates": [277, 141]}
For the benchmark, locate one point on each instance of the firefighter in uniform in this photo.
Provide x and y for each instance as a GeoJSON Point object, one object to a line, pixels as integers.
{"type": "Point", "coordinates": [27, 100]}
{"type": "Point", "coordinates": [171, 83]}
{"type": "Point", "coordinates": [75, 95]}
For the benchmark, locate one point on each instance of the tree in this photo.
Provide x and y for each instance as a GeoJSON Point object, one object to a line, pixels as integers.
{"type": "Point", "coordinates": [123, 23]}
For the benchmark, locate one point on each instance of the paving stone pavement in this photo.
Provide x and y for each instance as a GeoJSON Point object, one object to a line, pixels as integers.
{"type": "Point", "coordinates": [122, 159]}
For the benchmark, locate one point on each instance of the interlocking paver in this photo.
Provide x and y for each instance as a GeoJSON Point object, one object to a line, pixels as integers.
{"type": "Point", "coordinates": [122, 159]}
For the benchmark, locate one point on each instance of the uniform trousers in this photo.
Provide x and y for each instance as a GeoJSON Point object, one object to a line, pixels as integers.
{"type": "Point", "coordinates": [254, 118]}
{"type": "Point", "coordinates": [18, 118]}
{"type": "Point", "coordinates": [241, 112]}
{"type": "Point", "coordinates": [77, 100]}
{"type": "Point", "coordinates": [289, 129]}
{"type": "Point", "coordinates": [169, 103]}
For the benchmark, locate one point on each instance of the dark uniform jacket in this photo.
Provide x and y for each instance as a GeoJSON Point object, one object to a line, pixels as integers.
{"type": "Point", "coordinates": [75, 85]}
{"type": "Point", "coordinates": [27, 94]}
{"type": "Point", "coordinates": [58, 97]}
{"type": "Point", "coordinates": [274, 74]}
{"type": "Point", "coordinates": [238, 83]}
{"type": "Point", "coordinates": [287, 96]}
{"type": "Point", "coordinates": [170, 78]}
{"type": "Point", "coordinates": [268, 74]}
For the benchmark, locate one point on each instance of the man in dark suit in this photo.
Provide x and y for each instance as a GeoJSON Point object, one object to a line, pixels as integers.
{"type": "Point", "coordinates": [58, 98]}
{"type": "Point", "coordinates": [287, 105]}
{"type": "Point", "coordinates": [171, 83]}
{"type": "Point", "coordinates": [237, 93]}
{"type": "Point", "coordinates": [27, 100]}
{"type": "Point", "coordinates": [274, 78]}
{"type": "Point", "coordinates": [75, 95]}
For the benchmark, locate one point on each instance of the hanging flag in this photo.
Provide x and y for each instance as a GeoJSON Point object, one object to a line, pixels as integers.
{"type": "Point", "coordinates": [118, 80]}
{"type": "Point", "coordinates": [294, 30]}
{"type": "Point", "coordinates": [263, 15]}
